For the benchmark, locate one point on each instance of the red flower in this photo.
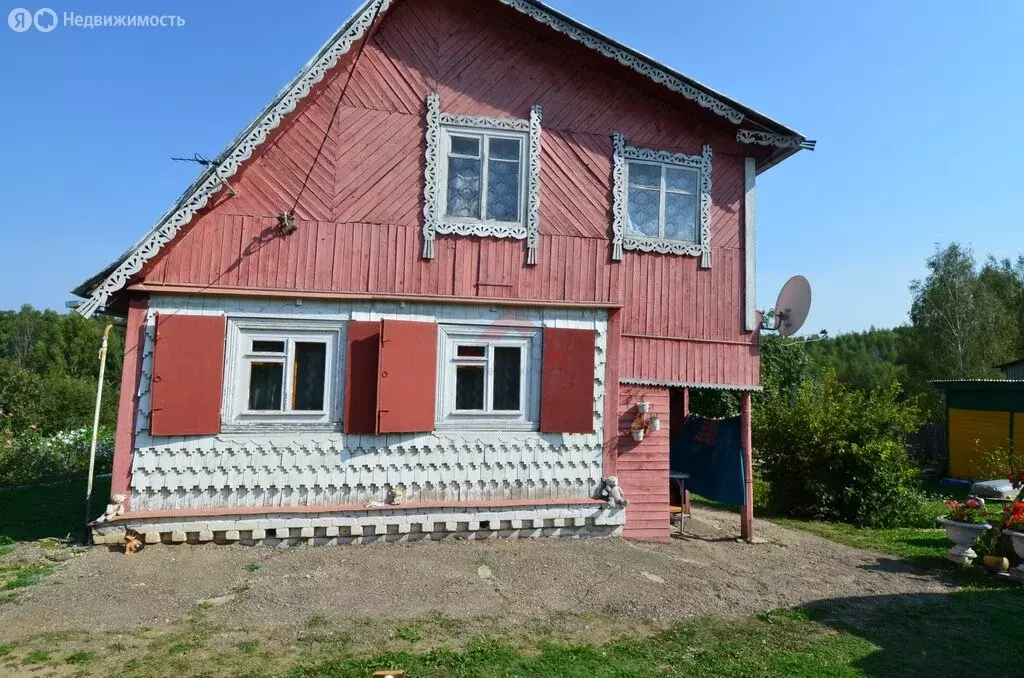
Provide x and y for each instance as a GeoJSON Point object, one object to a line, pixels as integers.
{"type": "Point", "coordinates": [973, 503]}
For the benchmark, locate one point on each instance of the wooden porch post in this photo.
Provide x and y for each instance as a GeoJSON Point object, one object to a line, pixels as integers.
{"type": "Point", "coordinates": [747, 513]}
{"type": "Point", "coordinates": [686, 412]}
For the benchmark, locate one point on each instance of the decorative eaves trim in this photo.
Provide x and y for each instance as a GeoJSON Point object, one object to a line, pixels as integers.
{"type": "Point", "coordinates": [240, 150]}
{"type": "Point", "coordinates": [621, 154]}
{"type": "Point", "coordinates": [749, 136]}
{"type": "Point", "coordinates": [689, 384]}
{"type": "Point", "coordinates": [434, 222]}
{"type": "Point", "coordinates": [643, 66]}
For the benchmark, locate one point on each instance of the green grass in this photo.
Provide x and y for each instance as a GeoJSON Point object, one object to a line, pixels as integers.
{"type": "Point", "coordinates": [54, 510]}
{"type": "Point", "coordinates": [18, 576]}
{"type": "Point", "coordinates": [911, 544]}
{"type": "Point", "coordinates": [253, 567]}
{"type": "Point", "coordinates": [80, 657]}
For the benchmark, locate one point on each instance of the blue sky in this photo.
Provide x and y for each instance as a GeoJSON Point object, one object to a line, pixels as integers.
{"type": "Point", "coordinates": [914, 105]}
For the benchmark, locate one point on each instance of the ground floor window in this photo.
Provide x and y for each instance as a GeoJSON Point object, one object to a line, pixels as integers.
{"type": "Point", "coordinates": [488, 377]}
{"type": "Point", "coordinates": [281, 374]}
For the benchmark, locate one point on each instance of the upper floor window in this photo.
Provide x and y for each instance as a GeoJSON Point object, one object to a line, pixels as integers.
{"type": "Point", "coordinates": [484, 175]}
{"type": "Point", "coordinates": [481, 177]}
{"type": "Point", "coordinates": [662, 201]}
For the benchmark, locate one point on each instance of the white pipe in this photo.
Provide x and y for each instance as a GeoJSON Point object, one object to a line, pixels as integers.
{"type": "Point", "coordinates": [96, 423]}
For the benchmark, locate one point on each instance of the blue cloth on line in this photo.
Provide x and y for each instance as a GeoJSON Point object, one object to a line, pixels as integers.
{"type": "Point", "coordinates": [710, 450]}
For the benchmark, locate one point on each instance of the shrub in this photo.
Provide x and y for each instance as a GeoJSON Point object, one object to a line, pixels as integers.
{"type": "Point", "coordinates": [830, 452]}
{"type": "Point", "coordinates": [30, 456]}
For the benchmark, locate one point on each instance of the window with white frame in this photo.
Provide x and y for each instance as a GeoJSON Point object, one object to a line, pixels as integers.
{"type": "Point", "coordinates": [663, 201]}
{"type": "Point", "coordinates": [488, 377]}
{"type": "Point", "coordinates": [481, 177]}
{"type": "Point", "coordinates": [279, 375]}
{"type": "Point", "coordinates": [484, 175]}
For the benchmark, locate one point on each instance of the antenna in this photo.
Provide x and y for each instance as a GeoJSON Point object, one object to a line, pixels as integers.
{"type": "Point", "coordinates": [791, 308]}
{"type": "Point", "coordinates": [206, 162]}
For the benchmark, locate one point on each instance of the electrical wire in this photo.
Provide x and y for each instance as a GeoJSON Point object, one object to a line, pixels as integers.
{"type": "Point", "coordinates": [337, 105]}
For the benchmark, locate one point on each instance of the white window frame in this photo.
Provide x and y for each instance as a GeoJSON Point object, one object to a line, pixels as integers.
{"type": "Point", "coordinates": [663, 192]}
{"type": "Point", "coordinates": [622, 239]}
{"type": "Point", "coordinates": [440, 126]}
{"type": "Point", "coordinates": [484, 137]}
{"type": "Point", "coordinates": [235, 414]}
{"type": "Point", "coordinates": [527, 339]}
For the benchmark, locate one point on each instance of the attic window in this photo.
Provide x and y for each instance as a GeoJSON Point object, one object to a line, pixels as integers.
{"type": "Point", "coordinates": [662, 202]}
{"type": "Point", "coordinates": [482, 177]}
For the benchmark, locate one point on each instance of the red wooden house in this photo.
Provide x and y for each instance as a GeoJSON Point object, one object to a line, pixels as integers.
{"type": "Point", "coordinates": [423, 292]}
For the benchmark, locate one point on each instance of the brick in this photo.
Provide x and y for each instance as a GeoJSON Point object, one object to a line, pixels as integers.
{"type": "Point", "coordinates": [152, 537]}
{"type": "Point", "coordinates": [356, 530]}
{"type": "Point", "coordinates": [579, 521]}
{"type": "Point", "coordinates": [178, 537]}
{"type": "Point", "coordinates": [306, 533]}
{"type": "Point", "coordinates": [281, 533]}
{"type": "Point", "coordinates": [331, 531]}
{"type": "Point", "coordinates": [205, 535]}
{"type": "Point", "coordinates": [558, 522]}
{"type": "Point", "coordinates": [231, 535]}
{"type": "Point", "coordinates": [451, 526]}
{"type": "Point", "coordinates": [258, 534]}
{"type": "Point", "coordinates": [516, 524]}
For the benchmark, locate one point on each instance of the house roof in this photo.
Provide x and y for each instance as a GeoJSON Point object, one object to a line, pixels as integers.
{"type": "Point", "coordinates": [1012, 363]}
{"type": "Point", "coordinates": [752, 128]}
{"type": "Point", "coordinates": [975, 384]}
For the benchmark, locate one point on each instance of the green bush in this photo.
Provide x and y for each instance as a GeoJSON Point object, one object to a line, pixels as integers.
{"type": "Point", "coordinates": [829, 452]}
{"type": "Point", "coordinates": [30, 456]}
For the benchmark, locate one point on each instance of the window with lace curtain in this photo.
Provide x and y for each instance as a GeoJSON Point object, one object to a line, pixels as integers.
{"type": "Point", "coordinates": [483, 175]}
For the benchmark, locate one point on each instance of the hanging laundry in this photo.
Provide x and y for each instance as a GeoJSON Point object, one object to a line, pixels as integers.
{"type": "Point", "coordinates": [710, 451]}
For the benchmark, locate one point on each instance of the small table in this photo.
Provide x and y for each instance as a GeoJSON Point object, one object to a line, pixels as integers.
{"type": "Point", "coordinates": [684, 513]}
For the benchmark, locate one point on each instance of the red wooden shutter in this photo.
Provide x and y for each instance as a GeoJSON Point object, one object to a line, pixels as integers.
{"type": "Point", "coordinates": [361, 377]}
{"type": "Point", "coordinates": [188, 375]}
{"type": "Point", "coordinates": [567, 381]}
{"type": "Point", "coordinates": [407, 382]}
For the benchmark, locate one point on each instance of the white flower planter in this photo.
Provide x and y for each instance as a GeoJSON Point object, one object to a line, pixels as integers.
{"type": "Point", "coordinates": [963, 536]}
{"type": "Point", "coordinates": [638, 434]}
{"type": "Point", "coordinates": [1018, 546]}
{"type": "Point", "coordinates": [643, 407]}
{"type": "Point", "coordinates": [655, 424]}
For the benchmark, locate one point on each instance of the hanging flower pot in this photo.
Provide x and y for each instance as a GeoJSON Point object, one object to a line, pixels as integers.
{"type": "Point", "coordinates": [642, 407]}
{"type": "Point", "coordinates": [655, 423]}
{"type": "Point", "coordinates": [638, 434]}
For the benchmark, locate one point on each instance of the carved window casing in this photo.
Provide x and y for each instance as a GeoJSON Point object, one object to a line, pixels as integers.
{"type": "Point", "coordinates": [468, 160]}
{"type": "Point", "coordinates": [662, 201]}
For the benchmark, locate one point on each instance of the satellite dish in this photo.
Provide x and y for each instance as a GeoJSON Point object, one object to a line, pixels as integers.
{"type": "Point", "coordinates": [793, 305]}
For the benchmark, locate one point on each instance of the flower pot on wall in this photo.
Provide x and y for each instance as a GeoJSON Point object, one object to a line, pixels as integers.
{"type": "Point", "coordinates": [1018, 546]}
{"type": "Point", "coordinates": [638, 434]}
{"type": "Point", "coordinates": [655, 424]}
{"type": "Point", "coordinates": [963, 536]}
{"type": "Point", "coordinates": [642, 407]}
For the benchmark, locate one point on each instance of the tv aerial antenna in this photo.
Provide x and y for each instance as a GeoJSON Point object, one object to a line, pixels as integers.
{"type": "Point", "coordinates": [206, 162]}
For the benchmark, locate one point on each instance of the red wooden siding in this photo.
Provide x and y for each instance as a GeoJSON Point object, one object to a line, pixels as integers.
{"type": "Point", "coordinates": [567, 381]}
{"type": "Point", "coordinates": [360, 217]}
{"type": "Point", "coordinates": [408, 376]}
{"type": "Point", "coordinates": [361, 377]}
{"type": "Point", "coordinates": [642, 468]}
{"type": "Point", "coordinates": [188, 373]}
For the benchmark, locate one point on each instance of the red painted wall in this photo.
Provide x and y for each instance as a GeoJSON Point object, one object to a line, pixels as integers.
{"type": "Point", "coordinates": [642, 468]}
{"type": "Point", "coordinates": [360, 216]}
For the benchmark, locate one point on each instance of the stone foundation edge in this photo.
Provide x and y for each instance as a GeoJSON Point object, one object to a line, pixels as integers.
{"type": "Point", "coordinates": [363, 527]}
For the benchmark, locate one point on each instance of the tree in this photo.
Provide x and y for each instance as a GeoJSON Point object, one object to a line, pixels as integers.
{"type": "Point", "coordinates": [962, 322]}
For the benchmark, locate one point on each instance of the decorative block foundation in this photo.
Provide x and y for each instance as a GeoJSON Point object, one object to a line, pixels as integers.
{"type": "Point", "coordinates": [377, 525]}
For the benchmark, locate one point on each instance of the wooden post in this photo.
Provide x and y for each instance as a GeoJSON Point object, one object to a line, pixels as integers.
{"type": "Point", "coordinates": [686, 412]}
{"type": "Point", "coordinates": [747, 513]}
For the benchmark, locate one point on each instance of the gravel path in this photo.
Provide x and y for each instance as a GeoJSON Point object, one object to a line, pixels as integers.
{"type": "Point", "coordinates": [500, 583]}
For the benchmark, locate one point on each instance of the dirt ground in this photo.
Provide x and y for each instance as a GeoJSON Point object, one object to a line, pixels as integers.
{"type": "Point", "coordinates": [498, 585]}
